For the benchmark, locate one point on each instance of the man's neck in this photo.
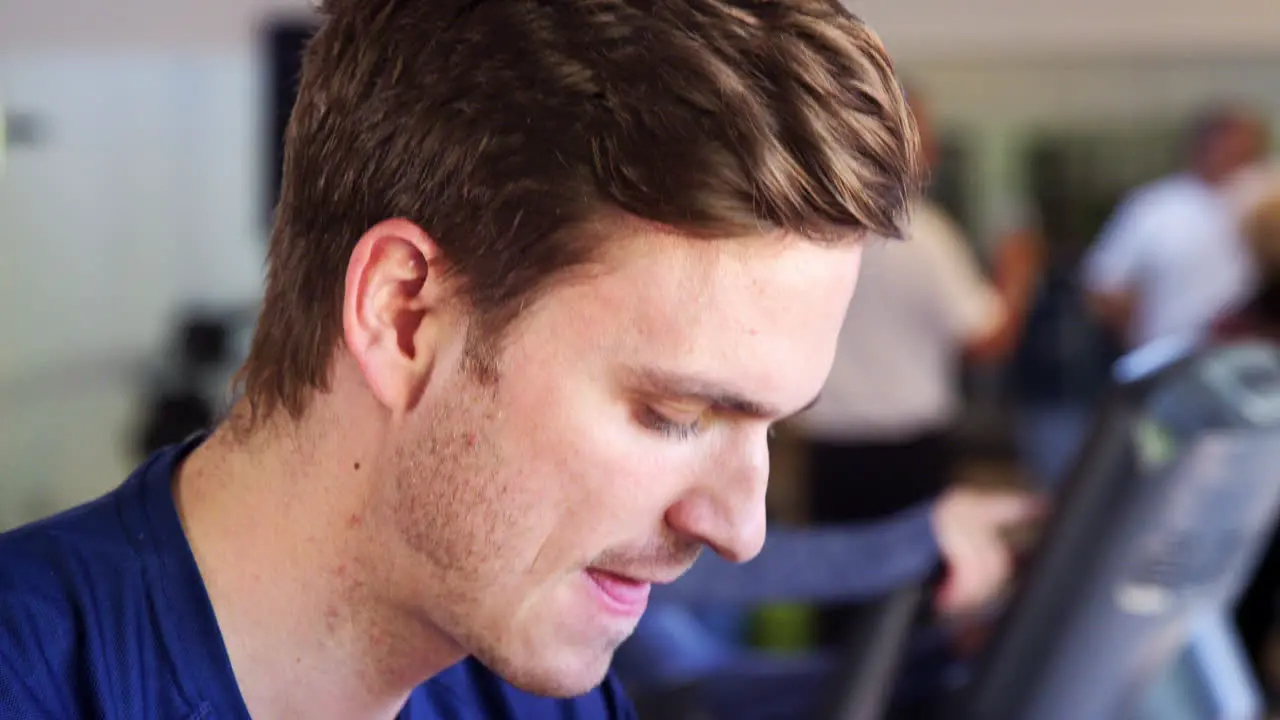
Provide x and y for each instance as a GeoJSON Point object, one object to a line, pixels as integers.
{"type": "Point", "coordinates": [280, 539]}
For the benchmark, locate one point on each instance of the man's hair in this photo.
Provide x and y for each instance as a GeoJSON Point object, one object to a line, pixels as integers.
{"type": "Point", "coordinates": [503, 127]}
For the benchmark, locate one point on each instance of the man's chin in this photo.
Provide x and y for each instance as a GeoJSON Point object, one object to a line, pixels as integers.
{"type": "Point", "coordinates": [568, 675]}
{"type": "Point", "coordinates": [563, 686]}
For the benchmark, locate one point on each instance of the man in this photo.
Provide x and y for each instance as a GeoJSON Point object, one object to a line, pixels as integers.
{"type": "Point", "coordinates": [1170, 261]}
{"type": "Point", "coordinates": [543, 274]}
{"type": "Point", "coordinates": [880, 433]}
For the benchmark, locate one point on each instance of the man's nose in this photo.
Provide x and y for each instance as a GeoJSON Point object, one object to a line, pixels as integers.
{"type": "Point", "coordinates": [725, 510]}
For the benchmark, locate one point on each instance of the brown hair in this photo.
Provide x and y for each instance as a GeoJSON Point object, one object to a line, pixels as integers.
{"type": "Point", "coordinates": [500, 126]}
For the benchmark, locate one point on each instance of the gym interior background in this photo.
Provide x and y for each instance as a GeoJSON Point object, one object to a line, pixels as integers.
{"type": "Point", "coordinates": [139, 152]}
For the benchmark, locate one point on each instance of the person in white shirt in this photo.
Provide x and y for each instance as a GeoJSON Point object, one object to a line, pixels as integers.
{"type": "Point", "coordinates": [1170, 261]}
{"type": "Point", "coordinates": [879, 433]}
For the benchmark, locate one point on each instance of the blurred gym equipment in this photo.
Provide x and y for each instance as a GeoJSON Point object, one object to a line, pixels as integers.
{"type": "Point", "coordinates": [1124, 610]}
{"type": "Point", "coordinates": [190, 387]}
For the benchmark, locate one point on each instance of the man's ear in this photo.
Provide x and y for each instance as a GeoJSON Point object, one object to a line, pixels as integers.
{"type": "Point", "coordinates": [398, 311]}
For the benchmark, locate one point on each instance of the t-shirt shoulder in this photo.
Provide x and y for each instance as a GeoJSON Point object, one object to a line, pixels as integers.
{"type": "Point", "coordinates": [44, 570]}
{"type": "Point", "coordinates": [37, 630]}
{"type": "Point", "coordinates": [58, 557]}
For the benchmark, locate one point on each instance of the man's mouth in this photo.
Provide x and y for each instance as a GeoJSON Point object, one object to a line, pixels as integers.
{"type": "Point", "coordinates": [620, 594]}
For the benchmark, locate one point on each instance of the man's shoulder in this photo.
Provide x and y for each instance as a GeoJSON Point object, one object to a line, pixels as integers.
{"type": "Point", "coordinates": [57, 576]}
{"type": "Point", "coordinates": [56, 556]}
{"type": "Point", "coordinates": [1140, 214]}
{"type": "Point", "coordinates": [470, 689]}
{"type": "Point", "coordinates": [78, 629]}
{"type": "Point", "coordinates": [1158, 196]}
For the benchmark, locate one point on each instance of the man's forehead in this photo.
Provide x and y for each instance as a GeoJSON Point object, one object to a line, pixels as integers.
{"type": "Point", "coordinates": [748, 333]}
{"type": "Point", "coordinates": [621, 235]}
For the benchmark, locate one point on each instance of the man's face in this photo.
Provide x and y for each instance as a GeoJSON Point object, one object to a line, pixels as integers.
{"type": "Point", "coordinates": [626, 427]}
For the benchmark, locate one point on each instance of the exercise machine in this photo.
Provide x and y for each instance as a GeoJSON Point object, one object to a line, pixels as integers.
{"type": "Point", "coordinates": [1123, 610]}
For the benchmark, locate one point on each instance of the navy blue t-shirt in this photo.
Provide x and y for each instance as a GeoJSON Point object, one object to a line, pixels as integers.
{"type": "Point", "coordinates": [103, 615]}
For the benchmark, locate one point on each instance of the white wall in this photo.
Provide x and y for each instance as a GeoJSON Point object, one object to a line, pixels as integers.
{"type": "Point", "coordinates": [950, 28]}
{"type": "Point", "coordinates": [136, 24]}
{"type": "Point", "coordinates": [143, 194]}
{"type": "Point", "coordinates": [1069, 91]}
{"type": "Point", "coordinates": [912, 27]}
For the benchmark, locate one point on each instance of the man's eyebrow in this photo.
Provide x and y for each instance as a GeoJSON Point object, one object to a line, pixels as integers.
{"type": "Point", "coordinates": [721, 397]}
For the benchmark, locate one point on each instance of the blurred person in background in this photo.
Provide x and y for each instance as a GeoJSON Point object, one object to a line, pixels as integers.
{"type": "Point", "coordinates": [1058, 374]}
{"type": "Point", "coordinates": [542, 277]}
{"type": "Point", "coordinates": [1170, 260]}
{"type": "Point", "coordinates": [1062, 365]}
{"type": "Point", "coordinates": [880, 433]}
{"type": "Point", "coordinates": [1259, 317]}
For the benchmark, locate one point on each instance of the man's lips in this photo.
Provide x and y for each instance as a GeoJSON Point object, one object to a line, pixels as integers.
{"type": "Point", "coordinates": [620, 593]}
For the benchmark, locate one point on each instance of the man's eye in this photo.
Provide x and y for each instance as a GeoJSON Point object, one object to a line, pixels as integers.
{"type": "Point", "coordinates": [659, 423]}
